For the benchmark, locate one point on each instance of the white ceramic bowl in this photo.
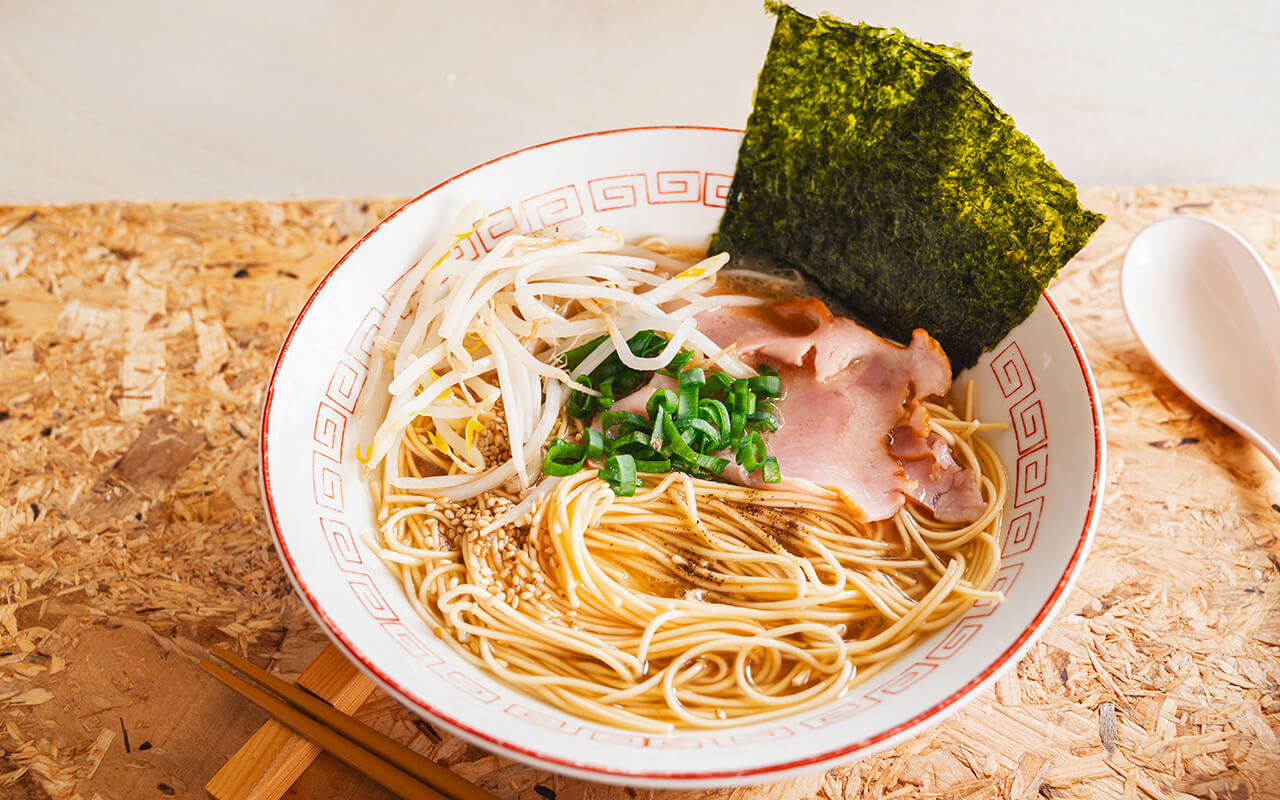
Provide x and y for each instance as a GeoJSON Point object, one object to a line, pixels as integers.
{"type": "Point", "coordinates": [671, 181]}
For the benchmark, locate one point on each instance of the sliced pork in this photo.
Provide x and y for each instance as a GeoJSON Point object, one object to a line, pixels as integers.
{"type": "Point", "coordinates": [851, 414]}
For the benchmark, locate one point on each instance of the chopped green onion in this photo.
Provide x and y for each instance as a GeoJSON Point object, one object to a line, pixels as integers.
{"type": "Point", "coordinates": [582, 405]}
{"type": "Point", "coordinates": [708, 412]}
{"type": "Point", "coordinates": [594, 442]}
{"type": "Point", "coordinates": [632, 425]}
{"type": "Point", "coordinates": [572, 358]}
{"type": "Point", "coordinates": [678, 363]}
{"type": "Point", "coordinates": [690, 382]}
{"type": "Point", "coordinates": [692, 377]}
{"type": "Point", "coordinates": [657, 438]}
{"type": "Point", "coordinates": [643, 344]}
{"type": "Point", "coordinates": [628, 443]}
{"type": "Point", "coordinates": [625, 420]}
{"type": "Point", "coordinates": [646, 343]}
{"type": "Point", "coordinates": [676, 441]}
{"type": "Point", "coordinates": [622, 468]}
{"type": "Point", "coordinates": [751, 451]}
{"type": "Point", "coordinates": [563, 458]}
{"type": "Point", "coordinates": [714, 412]}
{"type": "Point", "coordinates": [717, 382]}
{"type": "Point", "coordinates": [767, 385]}
{"type": "Point", "coordinates": [657, 465]}
{"type": "Point", "coordinates": [712, 464]}
{"type": "Point", "coordinates": [611, 377]}
{"type": "Point", "coordinates": [661, 397]}
{"type": "Point", "coordinates": [687, 406]}
{"type": "Point", "coordinates": [737, 424]}
{"type": "Point", "coordinates": [770, 472]}
{"type": "Point", "coordinates": [701, 426]}
{"type": "Point", "coordinates": [606, 392]}
{"type": "Point", "coordinates": [628, 382]}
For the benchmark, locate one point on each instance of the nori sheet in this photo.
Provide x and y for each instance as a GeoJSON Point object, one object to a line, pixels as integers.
{"type": "Point", "coordinates": [873, 164]}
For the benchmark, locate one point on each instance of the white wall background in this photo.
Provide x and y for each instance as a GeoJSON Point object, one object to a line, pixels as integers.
{"type": "Point", "coordinates": [217, 99]}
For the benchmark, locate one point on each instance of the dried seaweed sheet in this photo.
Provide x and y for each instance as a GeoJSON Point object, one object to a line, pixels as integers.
{"type": "Point", "coordinates": [873, 164]}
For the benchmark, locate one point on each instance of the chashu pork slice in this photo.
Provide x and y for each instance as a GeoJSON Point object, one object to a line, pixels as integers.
{"type": "Point", "coordinates": [851, 413]}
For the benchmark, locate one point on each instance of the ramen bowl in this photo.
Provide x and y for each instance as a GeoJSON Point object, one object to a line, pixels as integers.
{"type": "Point", "coordinates": [671, 181]}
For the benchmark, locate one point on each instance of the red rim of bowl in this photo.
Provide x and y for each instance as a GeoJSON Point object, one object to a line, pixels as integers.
{"type": "Point", "coordinates": [949, 704]}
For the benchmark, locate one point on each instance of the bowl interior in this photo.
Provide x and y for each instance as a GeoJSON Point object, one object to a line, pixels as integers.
{"type": "Point", "coordinates": [673, 182]}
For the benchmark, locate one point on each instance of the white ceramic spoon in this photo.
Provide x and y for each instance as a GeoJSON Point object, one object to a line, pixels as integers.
{"type": "Point", "coordinates": [1206, 307]}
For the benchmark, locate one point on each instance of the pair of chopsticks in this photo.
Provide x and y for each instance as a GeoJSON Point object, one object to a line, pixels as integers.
{"type": "Point", "coordinates": [386, 761]}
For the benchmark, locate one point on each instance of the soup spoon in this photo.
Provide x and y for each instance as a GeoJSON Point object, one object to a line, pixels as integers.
{"type": "Point", "coordinates": [1207, 309]}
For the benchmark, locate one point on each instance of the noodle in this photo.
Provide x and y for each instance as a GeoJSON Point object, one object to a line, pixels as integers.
{"type": "Point", "coordinates": [692, 603]}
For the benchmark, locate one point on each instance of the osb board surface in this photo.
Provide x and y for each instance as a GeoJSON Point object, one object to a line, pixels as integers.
{"type": "Point", "coordinates": [134, 343]}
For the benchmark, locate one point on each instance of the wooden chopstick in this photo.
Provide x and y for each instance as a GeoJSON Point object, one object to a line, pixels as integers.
{"type": "Point", "coordinates": [384, 746]}
{"type": "Point", "coordinates": [383, 759]}
{"type": "Point", "coordinates": [394, 778]}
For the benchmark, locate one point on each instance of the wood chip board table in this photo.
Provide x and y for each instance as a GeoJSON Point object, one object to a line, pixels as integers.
{"type": "Point", "coordinates": [134, 343]}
